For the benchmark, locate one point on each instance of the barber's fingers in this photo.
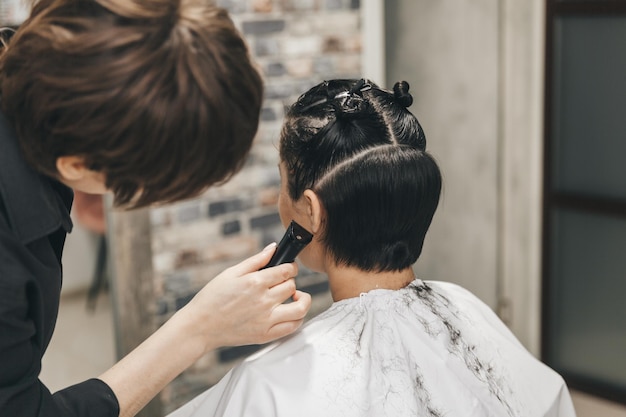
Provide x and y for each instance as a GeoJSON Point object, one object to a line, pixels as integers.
{"type": "Point", "coordinates": [282, 291]}
{"type": "Point", "coordinates": [301, 303]}
{"type": "Point", "coordinates": [268, 277]}
{"type": "Point", "coordinates": [255, 262]}
{"type": "Point", "coordinates": [287, 318]}
{"type": "Point", "coordinates": [294, 311]}
{"type": "Point", "coordinates": [283, 329]}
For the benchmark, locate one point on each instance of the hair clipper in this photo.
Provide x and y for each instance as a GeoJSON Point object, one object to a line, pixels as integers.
{"type": "Point", "coordinates": [294, 240]}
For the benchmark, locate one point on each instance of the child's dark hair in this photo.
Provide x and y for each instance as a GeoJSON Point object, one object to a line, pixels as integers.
{"type": "Point", "coordinates": [160, 96]}
{"type": "Point", "coordinates": [363, 153]}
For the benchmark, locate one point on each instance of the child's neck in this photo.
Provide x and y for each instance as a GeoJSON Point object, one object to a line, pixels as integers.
{"type": "Point", "coordinates": [349, 282]}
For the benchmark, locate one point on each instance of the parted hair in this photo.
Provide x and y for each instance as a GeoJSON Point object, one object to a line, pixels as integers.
{"type": "Point", "coordinates": [160, 96]}
{"type": "Point", "coordinates": [363, 153]}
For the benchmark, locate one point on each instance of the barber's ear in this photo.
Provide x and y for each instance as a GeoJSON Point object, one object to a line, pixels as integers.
{"type": "Point", "coordinates": [314, 210]}
{"type": "Point", "coordinates": [71, 168]}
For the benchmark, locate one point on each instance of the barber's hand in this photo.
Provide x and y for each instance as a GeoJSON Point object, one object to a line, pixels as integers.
{"type": "Point", "coordinates": [243, 305]}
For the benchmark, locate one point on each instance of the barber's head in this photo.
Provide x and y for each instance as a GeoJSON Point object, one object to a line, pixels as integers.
{"type": "Point", "coordinates": [352, 153]}
{"type": "Point", "coordinates": [157, 98]}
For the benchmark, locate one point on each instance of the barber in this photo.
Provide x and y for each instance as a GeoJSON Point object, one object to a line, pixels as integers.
{"type": "Point", "coordinates": [153, 101]}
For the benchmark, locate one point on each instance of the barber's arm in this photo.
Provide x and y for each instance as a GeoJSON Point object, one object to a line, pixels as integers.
{"type": "Point", "coordinates": [240, 306]}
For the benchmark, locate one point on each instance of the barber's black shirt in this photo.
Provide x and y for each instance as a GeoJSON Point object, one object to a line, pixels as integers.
{"type": "Point", "coordinates": [34, 219]}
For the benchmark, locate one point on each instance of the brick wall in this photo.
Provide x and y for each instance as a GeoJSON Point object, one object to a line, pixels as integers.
{"type": "Point", "coordinates": [13, 12]}
{"type": "Point", "coordinates": [297, 44]}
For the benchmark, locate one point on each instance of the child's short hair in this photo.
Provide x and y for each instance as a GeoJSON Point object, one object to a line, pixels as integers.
{"type": "Point", "coordinates": [159, 95]}
{"type": "Point", "coordinates": [363, 153]}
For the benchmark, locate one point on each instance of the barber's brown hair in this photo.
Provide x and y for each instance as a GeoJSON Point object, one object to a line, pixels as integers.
{"type": "Point", "coordinates": [159, 95]}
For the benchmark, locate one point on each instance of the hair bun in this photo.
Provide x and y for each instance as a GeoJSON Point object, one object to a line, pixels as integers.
{"type": "Point", "coordinates": [401, 93]}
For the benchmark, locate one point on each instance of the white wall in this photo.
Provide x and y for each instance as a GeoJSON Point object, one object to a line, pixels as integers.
{"type": "Point", "coordinates": [448, 52]}
{"type": "Point", "coordinates": [476, 73]}
{"type": "Point", "coordinates": [521, 120]}
{"type": "Point", "coordinates": [79, 259]}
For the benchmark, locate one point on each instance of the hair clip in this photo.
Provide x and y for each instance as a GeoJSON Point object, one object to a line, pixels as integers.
{"type": "Point", "coordinates": [357, 89]}
{"type": "Point", "coordinates": [360, 87]}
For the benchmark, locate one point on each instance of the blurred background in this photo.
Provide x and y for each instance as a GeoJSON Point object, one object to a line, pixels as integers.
{"type": "Point", "coordinates": [523, 104]}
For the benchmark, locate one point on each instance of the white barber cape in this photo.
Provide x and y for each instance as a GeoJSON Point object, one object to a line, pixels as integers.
{"type": "Point", "coordinates": [430, 349]}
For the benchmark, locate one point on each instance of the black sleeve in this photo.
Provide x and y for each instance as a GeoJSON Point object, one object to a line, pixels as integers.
{"type": "Point", "coordinates": [21, 346]}
{"type": "Point", "coordinates": [91, 398]}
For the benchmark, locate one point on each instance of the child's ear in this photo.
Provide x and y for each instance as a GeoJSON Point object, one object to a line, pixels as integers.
{"type": "Point", "coordinates": [71, 168]}
{"type": "Point", "coordinates": [314, 210]}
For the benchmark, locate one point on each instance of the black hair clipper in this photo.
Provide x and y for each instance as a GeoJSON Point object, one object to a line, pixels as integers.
{"type": "Point", "coordinates": [294, 240]}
